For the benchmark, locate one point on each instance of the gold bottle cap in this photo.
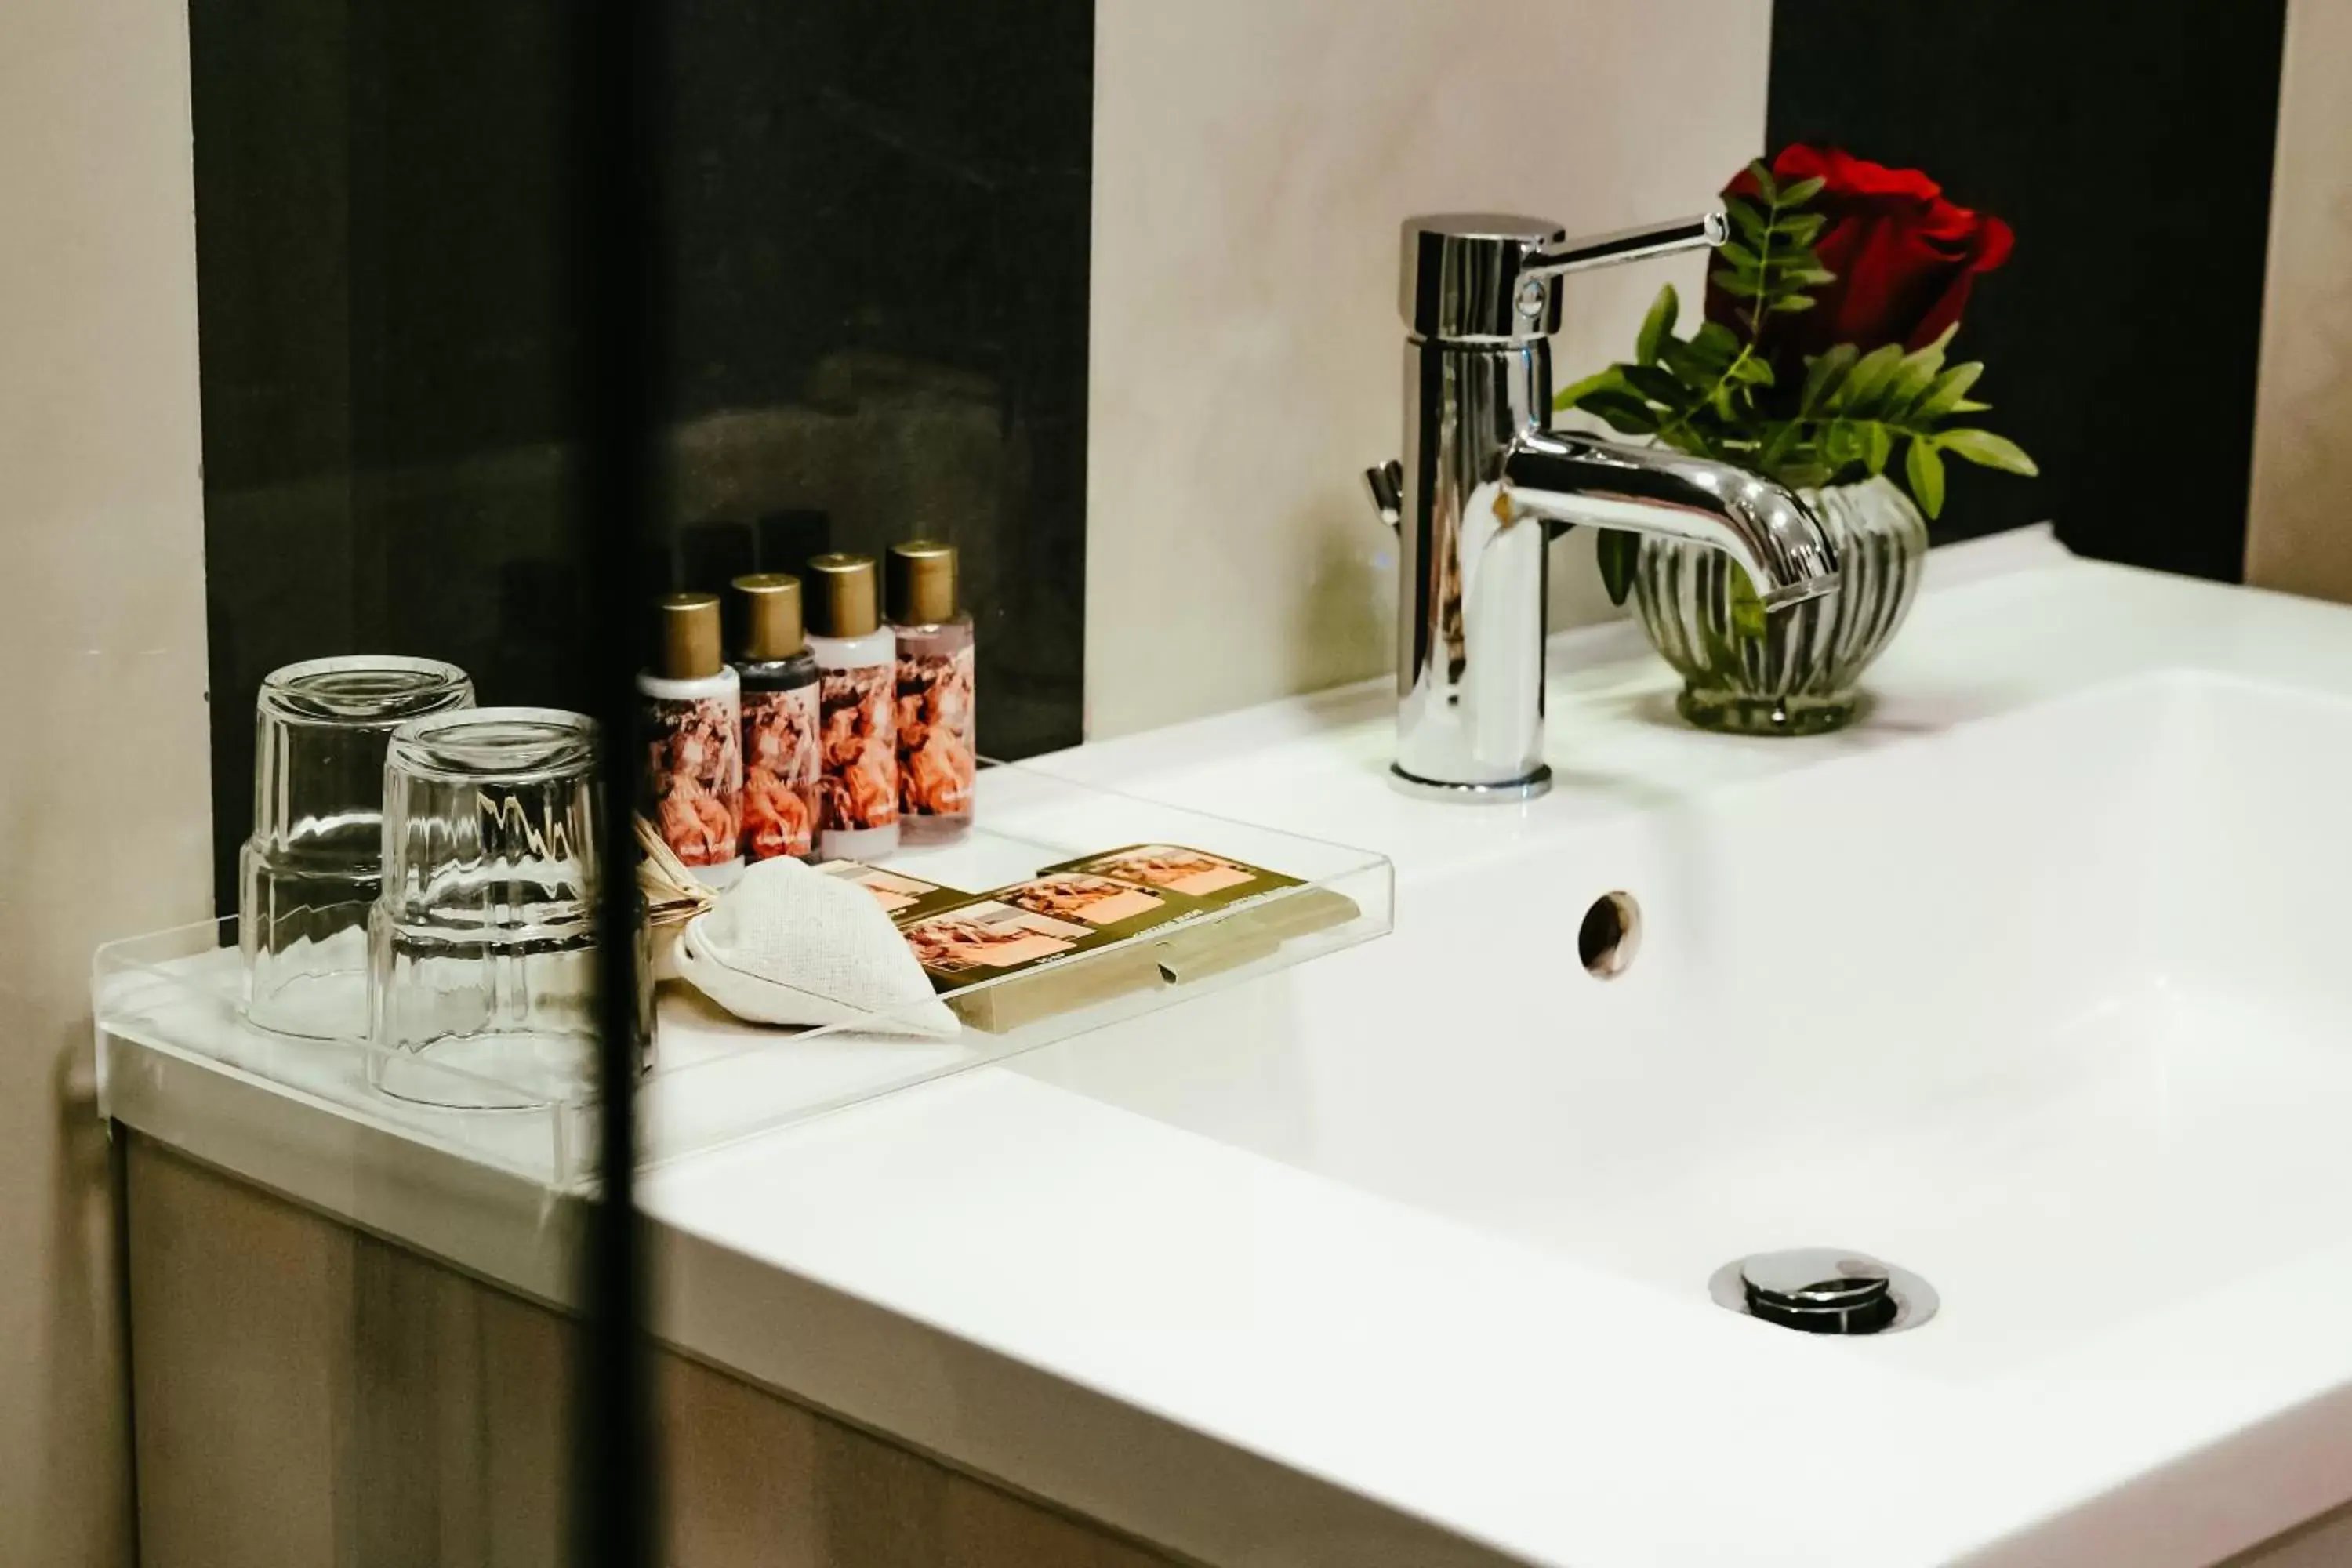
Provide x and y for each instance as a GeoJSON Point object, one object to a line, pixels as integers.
{"type": "Point", "coordinates": [841, 601]}
{"type": "Point", "coordinates": [922, 582]}
{"type": "Point", "coordinates": [772, 614]}
{"type": "Point", "coordinates": [689, 637]}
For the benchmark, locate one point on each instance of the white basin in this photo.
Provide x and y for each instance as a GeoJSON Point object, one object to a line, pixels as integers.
{"type": "Point", "coordinates": [2033, 983]}
{"type": "Point", "coordinates": [2050, 1007]}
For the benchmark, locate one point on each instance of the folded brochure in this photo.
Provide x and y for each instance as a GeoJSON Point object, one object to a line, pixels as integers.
{"type": "Point", "coordinates": [1028, 928]}
{"type": "Point", "coordinates": [1021, 934]}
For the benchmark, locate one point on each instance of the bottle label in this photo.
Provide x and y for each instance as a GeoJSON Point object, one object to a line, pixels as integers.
{"type": "Point", "coordinates": [694, 776]}
{"type": "Point", "coordinates": [858, 742]}
{"type": "Point", "coordinates": [936, 760]}
{"type": "Point", "coordinates": [779, 772]}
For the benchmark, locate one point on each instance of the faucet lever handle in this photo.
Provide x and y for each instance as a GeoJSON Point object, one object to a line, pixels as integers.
{"type": "Point", "coordinates": [1705, 230]}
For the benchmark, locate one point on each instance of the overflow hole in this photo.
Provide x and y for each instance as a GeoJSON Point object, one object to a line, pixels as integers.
{"type": "Point", "coordinates": [1610, 936]}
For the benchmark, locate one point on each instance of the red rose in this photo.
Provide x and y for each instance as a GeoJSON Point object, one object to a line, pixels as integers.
{"type": "Point", "coordinates": [1904, 258]}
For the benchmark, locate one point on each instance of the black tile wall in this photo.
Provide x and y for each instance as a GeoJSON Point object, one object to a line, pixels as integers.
{"type": "Point", "coordinates": [878, 233]}
{"type": "Point", "coordinates": [2130, 147]}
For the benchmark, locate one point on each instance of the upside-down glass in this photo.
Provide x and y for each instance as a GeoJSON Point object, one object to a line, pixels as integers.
{"type": "Point", "coordinates": [308, 876]}
{"type": "Point", "coordinates": [482, 946]}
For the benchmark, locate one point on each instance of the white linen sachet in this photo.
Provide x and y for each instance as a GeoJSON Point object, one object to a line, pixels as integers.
{"type": "Point", "coordinates": [787, 944]}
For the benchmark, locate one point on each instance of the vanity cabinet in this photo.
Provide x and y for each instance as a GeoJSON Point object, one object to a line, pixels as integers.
{"type": "Point", "coordinates": [307, 1394]}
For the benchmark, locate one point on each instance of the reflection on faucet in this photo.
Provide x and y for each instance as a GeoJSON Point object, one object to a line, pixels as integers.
{"type": "Point", "coordinates": [1656, 490]}
{"type": "Point", "coordinates": [1482, 476]}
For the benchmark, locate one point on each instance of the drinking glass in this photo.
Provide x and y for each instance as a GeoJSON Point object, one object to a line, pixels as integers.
{"type": "Point", "coordinates": [482, 945]}
{"type": "Point", "coordinates": [309, 872]}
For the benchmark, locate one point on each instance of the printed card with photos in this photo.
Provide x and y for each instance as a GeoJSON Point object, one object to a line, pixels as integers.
{"type": "Point", "coordinates": [1216, 880]}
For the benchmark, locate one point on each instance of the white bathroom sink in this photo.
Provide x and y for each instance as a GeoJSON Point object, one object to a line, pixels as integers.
{"type": "Point", "coordinates": [2037, 984]}
{"type": "Point", "coordinates": [2034, 984]}
{"type": "Point", "coordinates": [2051, 1008]}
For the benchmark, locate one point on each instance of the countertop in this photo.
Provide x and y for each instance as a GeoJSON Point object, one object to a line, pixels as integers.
{"type": "Point", "coordinates": [1253, 1364]}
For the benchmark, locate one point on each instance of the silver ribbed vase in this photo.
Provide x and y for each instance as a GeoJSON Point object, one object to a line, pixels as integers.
{"type": "Point", "coordinates": [1797, 676]}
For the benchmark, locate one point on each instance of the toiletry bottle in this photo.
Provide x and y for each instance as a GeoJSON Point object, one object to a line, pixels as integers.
{"type": "Point", "coordinates": [780, 719]}
{"type": "Point", "coordinates": [936, 763]}
{"type": "Point", "coordinates": [693, 738]}
{"type": "Point", "coordinates": [858, 735]}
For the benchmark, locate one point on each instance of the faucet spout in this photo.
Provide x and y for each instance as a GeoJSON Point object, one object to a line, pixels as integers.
{"type": "Point", "coordinates": [1570, 478]}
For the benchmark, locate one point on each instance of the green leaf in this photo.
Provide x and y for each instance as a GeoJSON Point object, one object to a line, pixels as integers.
{"type": "Point", "coordinates": [1803, 277]}
{"type": "Point", "coordinates": [1918, 371]}
{"type": "Point", "coordinates": [1925, 469]}
{"type": "Point", "coordinates": [1967, 405]}
{"type": "Point", "coordinates": [1869, 374]}
{"type": "Point", "coordinates": [1800, 193]}
{"type": "Point", "coordinates": [1988, 450]}
{"type": "Point", "coordinates": [1618, 553]}
{"type": "Point", "coordinates": [1792, 302]}
{"type": "Point", "coordinates": [1807, 475]}
{"type": "Point", "coordinates": [1766, 186]}
{"type": "Point", "coordinates": [1799, 230]}
{"type": "Point", "coordinates": [1822, 375]}
{"type": "Point", "coordinates": [1931, 354]}
{"type": "Point", "coordinates": [1699, 368]}
{"type": "Point", "coordinates": [1911, 378]}
{"type": "Point", "coordinates": [1746, 219]}
{"type": "Point", "coordinates": [1739, 256]}
{"type": "Point", "coordinates": [1736, 285]}
{"type": "Point", "coordinates": [1575, 394]}
{"type": "Point", "coordinates": [1877, 446]}
{"type": "Point", "coordinates": [1621, 411]}
{"type": "Point", "coordinates": [1657, 324]}
{"type": "Point", "coordinates": [1753, 371]}
{"type": "Point", "coordinates": [1686, 438]}
{"type": "Point", "coordinates": [1837, 444]}
{"type": "Point", "coordinates": [1945, 393]}
{"type": "Point", "coordinates": [1747, 605]}
{"type": "Point", "coordinates": [1717, 342]}
{"type": "Point", "coordinates": [1659, 384]}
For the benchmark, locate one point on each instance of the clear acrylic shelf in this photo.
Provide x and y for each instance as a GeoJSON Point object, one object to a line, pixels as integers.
{"type": "Point", "coordinates": [171, 998]}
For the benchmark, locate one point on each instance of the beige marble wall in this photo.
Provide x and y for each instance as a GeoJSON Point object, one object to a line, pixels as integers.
{"type": "Point", "coordinates": [2299, 521]}
{"type": "Point", "coordinates": [102, 776]}
{"type": "Point", "coordinates": [1252, 161]}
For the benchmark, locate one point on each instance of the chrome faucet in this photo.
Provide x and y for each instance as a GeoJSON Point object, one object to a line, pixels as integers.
{"type": "Point", "coordinates": [1483, 481]}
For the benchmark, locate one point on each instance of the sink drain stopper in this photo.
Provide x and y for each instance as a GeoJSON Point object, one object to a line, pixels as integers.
{"type": "Point", "coordinates": [1823, 1291]}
